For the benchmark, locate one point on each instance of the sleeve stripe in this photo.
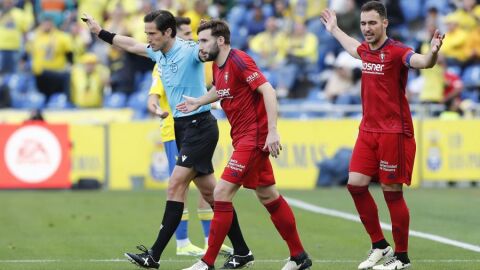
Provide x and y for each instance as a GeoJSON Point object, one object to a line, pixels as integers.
{"type": "Point", "coordinates": [239, 62]}
{"type": "Point", "coordinates": [407, 58]}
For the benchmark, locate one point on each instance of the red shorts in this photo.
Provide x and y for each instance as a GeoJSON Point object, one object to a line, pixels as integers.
{"type": "Point", "coordinates": [386, 156]}
{"type": "Point", "coordinates": [250, 168]}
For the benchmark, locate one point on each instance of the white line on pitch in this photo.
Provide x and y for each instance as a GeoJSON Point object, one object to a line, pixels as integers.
{"type": "Point", "coordinates": [386, 226]}
{"type": "Point", "coordinates": [193, 260]}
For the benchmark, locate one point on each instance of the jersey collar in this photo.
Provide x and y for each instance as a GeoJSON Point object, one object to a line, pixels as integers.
{"type": "Point", "coordinates": [228, 56]}
{"type": "Point", "coordinates": [387, 41]}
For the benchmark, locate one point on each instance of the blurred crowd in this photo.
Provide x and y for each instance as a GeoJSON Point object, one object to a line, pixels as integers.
{"type": "Point", "coordinates": [49, 59]}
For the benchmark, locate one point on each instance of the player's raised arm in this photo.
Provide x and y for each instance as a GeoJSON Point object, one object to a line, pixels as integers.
{"type": "Point", "coordinates": [272, 143]}
{"type": "Point", "coordinates": [430, 59]}
{"type": "Point", "coordinates": [127, 43]}
{"type": "Point", "coordinates": [191, 104]}
{"type": "Point", "coordinates": [329, 19]}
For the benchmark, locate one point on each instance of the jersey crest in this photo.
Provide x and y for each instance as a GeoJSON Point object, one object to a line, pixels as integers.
{"type": "Point", "coordinates": [225, 76]}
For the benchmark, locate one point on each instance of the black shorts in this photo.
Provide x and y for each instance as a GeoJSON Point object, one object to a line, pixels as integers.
{"type": "Point", "coordinates": [196, 136]}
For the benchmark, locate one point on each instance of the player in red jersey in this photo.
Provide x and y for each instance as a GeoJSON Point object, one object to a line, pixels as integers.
{"type": "Point", "coordinates": [250, 103]}
{"type": "Point", "coordinates": [385, 147]}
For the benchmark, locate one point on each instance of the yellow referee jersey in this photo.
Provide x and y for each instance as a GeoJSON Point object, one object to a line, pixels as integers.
{"type": "Point", "coordinates": [167, 128]}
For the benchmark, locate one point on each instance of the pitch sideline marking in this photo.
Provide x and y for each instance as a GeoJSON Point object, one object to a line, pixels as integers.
{"type": "Point", "coordinates": [256, 261]}
{"type": "Point", "coordinates": [386, 226]}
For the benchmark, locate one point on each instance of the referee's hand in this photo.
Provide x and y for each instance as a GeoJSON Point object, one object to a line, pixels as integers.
{"type": "Point", "coordinates": [189, 105]}
{"type": "Point", "coordinates": [158, 112]}
{"type": "Point", "coordinates": [91, 23]}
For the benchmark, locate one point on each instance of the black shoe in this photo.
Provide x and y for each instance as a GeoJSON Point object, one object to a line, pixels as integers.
{"type": "Point", "coordinates": [299, 262]}
{"type": "Point", "coordinates": [238, 262]}
{"type": "Point", "coordinates": [144, 259]}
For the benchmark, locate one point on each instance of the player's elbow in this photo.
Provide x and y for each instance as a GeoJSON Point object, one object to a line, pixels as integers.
{"type": "Point", "coordinates": [430, 64]}
{"type": "Point", "coordinates": [427, 65]}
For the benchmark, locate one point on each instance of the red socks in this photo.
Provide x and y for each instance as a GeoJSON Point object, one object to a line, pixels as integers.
{"type": "Point", "coordinates": [400, 218]}
{"type": "Point", "coordinates": [367, 210]}
{"type": "Point", "coordinates": [221, 222]}
{"type": "Point", "coordinates": [284, 220]}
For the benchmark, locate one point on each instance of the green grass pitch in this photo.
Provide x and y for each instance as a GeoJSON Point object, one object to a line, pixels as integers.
{"type": "Point", "coordinates": [91, 230]}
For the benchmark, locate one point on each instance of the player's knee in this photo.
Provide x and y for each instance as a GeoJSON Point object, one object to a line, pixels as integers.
{"type": "Point", "coordinates": [176, 189]}
{"type": "Point", "coordinates": [358, 179]}
{"type": "Point", "coordinates": [267, 194]}
{"type": "Point", "coordinates": [222, 193]}
{"type": "Point", "coordinates": [208, 197]}
{"type": "Point", "coordinates": [392, 187]}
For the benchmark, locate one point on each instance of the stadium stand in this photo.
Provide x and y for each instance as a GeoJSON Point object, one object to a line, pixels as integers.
{"type": "Point", "coordinates": [267, 29]}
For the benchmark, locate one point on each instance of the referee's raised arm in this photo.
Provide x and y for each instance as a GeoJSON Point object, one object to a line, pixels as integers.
{"type": "Point", "coordinates": [127, 43]}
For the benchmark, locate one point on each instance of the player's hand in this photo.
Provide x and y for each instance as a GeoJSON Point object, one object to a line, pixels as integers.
{"type": "Point", "coordinates": [437, 41]}
{"type": "Point", "coordinates": [158, 112]}
{"type": "Point", "coordinates": [272, 143]}
{"type": "Point", "coordinates": [329, 19]}
{"type": "Point", "coordinates": [189, 105]}
{"type": "Point", "coordinates": [91, 23]}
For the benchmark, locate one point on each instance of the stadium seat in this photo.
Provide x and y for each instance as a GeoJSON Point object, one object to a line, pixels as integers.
{"type": "Point", "coordinates": [140, 114]}
{"type": "Point", "coordinates": [411, 9]}
{"type": "Point", "coordinates": [115, 100]}
{"type": "Point", "coordinates": [471, 95]}
{"type": "Point", "coordinates": [457, 70]}
{"type": "Point", "coordinates": [236, 15]}
{"type": "Point", "coordinates": [316, 95]}
{"type": "Point", "coordinates": [33, 100]}
{"type": "Point", "coordinates": [138, 100]}
{"type": "Point", "coordinates": [143, 81]}
{"type": "Point", "coordinates": [441, 5]}
{"type": "Point", "coordinates": [471, 76]}
{"type": "Point", "coordinates": [58, 101]}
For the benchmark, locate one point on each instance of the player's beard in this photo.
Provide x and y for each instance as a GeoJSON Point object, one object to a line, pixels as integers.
{"type": "Point", "coordinates": [376, 38]}
{"type": "Point", "coordinates": [212, 55]}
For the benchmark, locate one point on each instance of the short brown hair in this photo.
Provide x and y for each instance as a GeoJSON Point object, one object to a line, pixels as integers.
{"type": "Point", "coordinates": [182, 20]}
{"type": "Point", "coordinates": [219, 29]}
{"type": "Point", "coordinates": [163, 20]}
{"type": "Point", "coordinates": [375, 5]}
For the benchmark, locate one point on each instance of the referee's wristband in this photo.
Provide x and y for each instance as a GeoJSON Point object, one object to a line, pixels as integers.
{"type": "Point", "coordinates": [106, 36]}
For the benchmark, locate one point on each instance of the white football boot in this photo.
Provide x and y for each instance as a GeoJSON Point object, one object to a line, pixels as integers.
{"type": "Point", "coordinates": [392, 264]}
{"type": "Point", "coordinates": [374, 256]}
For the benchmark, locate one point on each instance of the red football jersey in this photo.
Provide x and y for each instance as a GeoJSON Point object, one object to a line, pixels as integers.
{"type": "Point", "coordinates": [236, 81]}
{"type": "Point", "coordinates": [384, 77]}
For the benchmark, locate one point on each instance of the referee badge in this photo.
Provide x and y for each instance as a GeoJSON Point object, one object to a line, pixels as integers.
{"type": "Point", "coordinates": [226, 76]}
{"type": "Point", "coordinates": [174, 67]}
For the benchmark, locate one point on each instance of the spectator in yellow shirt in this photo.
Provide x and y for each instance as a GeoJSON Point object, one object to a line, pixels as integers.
{"type": "Point", "coordinates": [455, 42]}
{"type": "Point", "coordinates": [198, 13]}
{"type": "Point", "coordinates": [433, 79]}
{"type": "Point", "coordinates": [298, 51]}
{"type": "Point", "coordinates": [51, 51]}
{"type": "Point", "coordinates": [89, 79]}
{"type": "Point", "coordinates": [158, 105]}
{"type": "Point", "coordinates": [264, 45]}
{"type": "Point", "coordinates": [466, 15]}
{"type": "Point", "coordinates": [14, 23]}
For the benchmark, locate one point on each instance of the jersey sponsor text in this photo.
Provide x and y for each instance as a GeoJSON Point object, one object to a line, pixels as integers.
{"type": "Point", "coordinates": [372, 68]}
{"type": "Point", "coordinates": [253, 77]}
{"type": "Point", "coordinates": [224, 93]}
